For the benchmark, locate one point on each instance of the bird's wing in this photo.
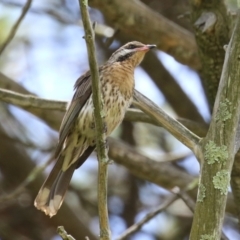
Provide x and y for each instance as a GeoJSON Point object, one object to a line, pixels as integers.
{"type": "Point", "coordinates": [81, 95]}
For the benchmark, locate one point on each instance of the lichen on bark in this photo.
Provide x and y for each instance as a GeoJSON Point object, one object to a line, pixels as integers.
{"type": "Point", "coordinates": [221, 181]}
{"type": "Point", "coordinates": [224, 112]}
{"type": "Point", "coordinates": [201, 193]}
{"type": "Point", "coordinates": [207, 237]}
{"type": "Point", "coordinates": [214, 153]}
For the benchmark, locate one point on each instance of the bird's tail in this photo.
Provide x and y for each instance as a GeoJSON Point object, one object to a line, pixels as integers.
{"type": "Point", "coordinates": [53, 190]}
{"type": "Point", "coordinates": [51, 195]}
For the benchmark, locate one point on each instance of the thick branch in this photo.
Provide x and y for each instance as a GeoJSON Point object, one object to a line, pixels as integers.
{"type": "Point", "coordinates": [99, 124]}
{"type": "Point", "coordinates": [174, 127]}
{"type": "Point", "coordinates": [219, 147]}
{"type": "Point", "coordinates": [29, 101]}
{"type": "Point", "coordinates": [210, 22]}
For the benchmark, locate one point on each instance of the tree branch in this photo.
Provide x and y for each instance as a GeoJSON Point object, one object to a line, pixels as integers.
{"type": "Point", "coordinates": [15, 26]}
{"type": "Point", "coordinates": [25, 101]}
{"type": "Point", "coordinates": [174, 127]}
{"type": "Point", "coordinates": [219, 147]}
{"type": "Point", "coordinates": [211, 26]}
{"type": "Point", "coordinates": [135, 115]}
{"type": "Point", "coordinates": [63, 234]}
{"type": "Point", "coordinates": [99, 124]}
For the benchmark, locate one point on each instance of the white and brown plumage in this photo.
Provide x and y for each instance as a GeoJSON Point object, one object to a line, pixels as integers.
{"type": "Point", "coordinates": [77, 133]}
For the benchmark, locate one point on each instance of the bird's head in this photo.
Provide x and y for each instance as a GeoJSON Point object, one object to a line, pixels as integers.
{"type": "Point", "coordinates": [131, 53]}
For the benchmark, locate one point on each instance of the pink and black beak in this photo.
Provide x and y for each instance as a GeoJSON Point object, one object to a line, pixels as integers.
{"type": "Point", "coordinates": [146, 47]}
{"type": "Point", "coordinates": [151, 46]}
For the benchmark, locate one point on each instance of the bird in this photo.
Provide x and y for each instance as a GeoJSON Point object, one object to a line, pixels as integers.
{"type": "Point", "coordinates": [77, 138]}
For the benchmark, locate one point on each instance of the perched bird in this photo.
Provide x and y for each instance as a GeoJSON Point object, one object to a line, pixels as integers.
{"type": "Point", "coordinates": [77, 133]}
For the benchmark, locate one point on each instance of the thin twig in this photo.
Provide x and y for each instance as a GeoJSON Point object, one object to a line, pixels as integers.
{"type": "Point", "coordinates": [30, 178]}
{"type": "Point", "coordinates": [185, 197]}
{"type": "Point", "coordinates": [183, 134]}
{"type": "Point", "coordinates": [16, 25]}
{"type": "Point", "coordinates": [135, 227]}
{"type": "Point", "coordinates": [177, 193]}
{"type": "Point", "coordinates": [59, 16]}
{"type": "Point", "coordinates": [63, 234]}
{"type": "Point", "coordinates": [98, 115]}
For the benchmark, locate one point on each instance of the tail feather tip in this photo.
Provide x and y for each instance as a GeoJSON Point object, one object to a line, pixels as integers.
{"type": "Point", "coordinates": [49, 206]}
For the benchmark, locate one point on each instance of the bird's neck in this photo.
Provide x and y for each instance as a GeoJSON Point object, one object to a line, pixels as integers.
{"type": "Point", "coordinates": [123, 78]}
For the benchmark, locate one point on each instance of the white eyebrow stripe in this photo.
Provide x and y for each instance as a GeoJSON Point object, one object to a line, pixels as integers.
{"type": "Point", "coordinates": [120, 53]}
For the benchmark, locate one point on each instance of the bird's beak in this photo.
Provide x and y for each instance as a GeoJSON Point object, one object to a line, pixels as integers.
{"type": "Point", "coordinates": [146, 48]}
{"type": "Point", "coordinates": [151, 46]}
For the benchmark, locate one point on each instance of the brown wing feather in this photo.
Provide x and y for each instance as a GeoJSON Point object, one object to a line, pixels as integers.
{"type": "Point", "coordinates": [82, 93]}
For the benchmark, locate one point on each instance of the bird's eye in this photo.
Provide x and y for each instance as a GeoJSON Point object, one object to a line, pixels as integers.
{"type": "Point", "coordinates": [131, 46]}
